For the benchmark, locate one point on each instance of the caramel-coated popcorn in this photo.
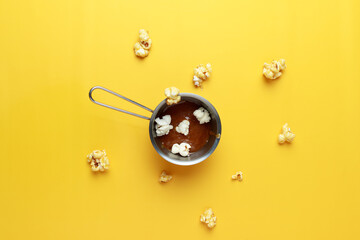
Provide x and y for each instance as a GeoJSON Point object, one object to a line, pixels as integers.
{"type": "Point", "coordinates": [274, 69]}
{"type": "Point", "coordinates": [286, 135]}
{"type": "Point", "coordinates": [237, 176]}
{"type": "Point", "coordinates": [172, 95]}
{"type": "Point", "coordinates": [142, 47]}
{"type": "Point", "coordinates": [98, 160]}
{"type": "Point", "coordinates": [209, 218]}
{"type": "Point", "coordinates": [164, 178]}
{"type": "Point", "coordinates": [201, 73]}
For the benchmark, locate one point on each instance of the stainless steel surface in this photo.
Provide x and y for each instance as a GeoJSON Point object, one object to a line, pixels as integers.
{"type": "Point", "coordinates": [195, 157]}
{"type": "Point", "coordinates": [204, 152]}
{"type": "Point", "coordinates": [120, 96]}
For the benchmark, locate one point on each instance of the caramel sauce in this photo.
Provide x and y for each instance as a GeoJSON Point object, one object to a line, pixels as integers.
{"type": "Point", "coordinates": [198, 133]}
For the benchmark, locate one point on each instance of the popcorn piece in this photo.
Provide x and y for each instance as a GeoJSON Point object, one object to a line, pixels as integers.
{"type": "Point", "coordinates": [172, 94]}
{"type": "Point", "coordinates": [142, 48]}
{"type": "Point", "coordinates": [273, 70]}
{"type": "Point", "coordinates": [146, 44]}
{"type": "Point", "coordinates": [201, 73]}
{"type": "Point", "coordinates": [98, 160]}
{"type": "Point", "coordinates": [140, 51]}
{"type": "Point", "coordinates": [143, 35]}
{"type": "Point", "coordinates": [286, 135]}
{"type": "Point", "coordinates": [197, 81]}
{"type": "Point", "coordinates": [202, 115]}
{"type": "Point", "coordinates": [163, 126]}
{"type": "Point", "coordinates": [183, 149]}
{"type": "Point", "coordinates": [237, 176]}
{"type": "Point", "coordinates": [164, 178]}
{"type": "Point", "coordinates": [281, 138]}
{"type": "Point", "coordinates": [183, 127]}
{"type": "Point", "coordinates": [209, 218]}
{"type": "Point", "coordinates": [289, 136]}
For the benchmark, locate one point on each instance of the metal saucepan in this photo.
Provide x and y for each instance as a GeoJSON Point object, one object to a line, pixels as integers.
{"type": "Point", "coordinates": [195, 157]}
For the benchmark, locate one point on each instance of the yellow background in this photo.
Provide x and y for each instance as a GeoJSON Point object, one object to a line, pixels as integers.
{"type": "Point", "coordinates": [53, 52]}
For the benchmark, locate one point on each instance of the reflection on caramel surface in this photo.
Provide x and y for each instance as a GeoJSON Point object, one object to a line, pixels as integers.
{"type": "Point", "coordinates": [198, 133]}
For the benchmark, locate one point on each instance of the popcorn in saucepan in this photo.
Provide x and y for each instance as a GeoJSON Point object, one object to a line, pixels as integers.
{"type": "Point", "coordinates": [209, 218]}
{"type": "Point", "coordinates": [274, 69]}
{"type": "Point", "coordinates": [183, 149]}
{"type": "Point", "coordinates": [237, 176]}
{"type": "Point", "coordinates": [202, 115]}
{"type": "Point", "coordinates": [142, 48]}
{"type": "Point", "coordinates": [98, 160]}
{"type": "Point", "coordinates": [201, 73]}
{"type": "Point", "coordinates": [183, 127]}
{"type": "Point", "coordinates": [172, 95]}
{"type": "Point", "coordinates": [164, 178]}
{"type": "Point", "coordinates": [163, 126]}
{"type": "Point", "coordinates": [286, 135]}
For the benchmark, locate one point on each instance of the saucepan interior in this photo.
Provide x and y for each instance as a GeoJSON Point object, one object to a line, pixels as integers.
{"type": "Point", "coordinates": [205, 151]}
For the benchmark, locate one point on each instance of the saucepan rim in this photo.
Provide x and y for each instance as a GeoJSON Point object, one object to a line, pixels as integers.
{"type": "Point", "coordinates": [207, 105]}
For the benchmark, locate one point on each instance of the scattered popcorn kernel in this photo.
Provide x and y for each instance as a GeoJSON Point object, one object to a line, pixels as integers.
{"type": "Point", "coordinates": [172, 95]}
{"type": "Point", "coordinates": [202, 115]}
{"type": "Point", "coordinates": [143, 35]}
{"type": "Point", "coordinates": [237, 176]}
{"type": "Point", "coordinates": [183, 127]}
{"type": "Point", "coordinates": [98, 160]}
{"type": "Point", "coordinates": [197, 81]}
{"type": "Point", "coordinates": [142, 47]}
{"type": "Point", "coordinates": [201, 73]}
{"type": "Point", "coordinates": [183, 149]}
{"type": "Point", "coordinates": [209, 218]}
{"type": "Point", "coordinates": [209, 68]}
{"type": "Point", "coordinates": [140, 51]}
{"type": "Point", "coordinates": [289, 136]}
{"type": "Point", "coordinates": [282, 138]}
{"type": "Point", "coordinates": [163, 126]}
{"type": "Point", "coordinates": [273, 70]}
{"type": "Point", "coordinates": [146, 44]}
{"type": "Point", "coordinates": [285, 128]}
{"type": "Point", "coordinates": [286, 135]}
{"type": "Point", "coordinates": [164, 178]}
